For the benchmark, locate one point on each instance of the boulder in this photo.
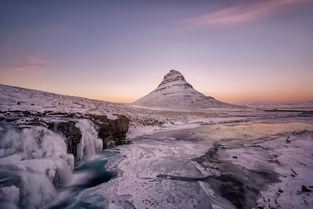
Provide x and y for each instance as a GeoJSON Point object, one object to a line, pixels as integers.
{"type": "Point", "coordinates": [112, 131]}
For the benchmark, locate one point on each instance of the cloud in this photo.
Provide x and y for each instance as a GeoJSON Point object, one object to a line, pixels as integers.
{"type": "Point", "coordinates": [241, 13]}
{"type": "Point", "coordinates": [31, 63]}
{"type": "Point", "coordinates": [26, 67]}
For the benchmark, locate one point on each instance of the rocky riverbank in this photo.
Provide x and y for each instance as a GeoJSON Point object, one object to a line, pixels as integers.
{"type": "Point", "coordinates": [112, 132]}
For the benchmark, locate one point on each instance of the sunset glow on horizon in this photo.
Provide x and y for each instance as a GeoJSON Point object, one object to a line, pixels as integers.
{"type": "Point", "coordinates": [236, 51]}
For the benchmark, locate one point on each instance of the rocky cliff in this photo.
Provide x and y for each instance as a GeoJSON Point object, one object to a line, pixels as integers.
{"type": "Point", "coordinates": [111, 132]}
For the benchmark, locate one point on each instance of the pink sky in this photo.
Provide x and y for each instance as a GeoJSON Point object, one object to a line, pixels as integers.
{"type": "Point", "coordinates": [237, 51]}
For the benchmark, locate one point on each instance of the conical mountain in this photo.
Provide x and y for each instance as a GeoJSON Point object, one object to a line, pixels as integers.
{"type": "Point", "coordinates": [175, 92]}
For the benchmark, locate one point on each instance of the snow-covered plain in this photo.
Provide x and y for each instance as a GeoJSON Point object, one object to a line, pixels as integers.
{"type": "Point", "coordinates": [187, 158]}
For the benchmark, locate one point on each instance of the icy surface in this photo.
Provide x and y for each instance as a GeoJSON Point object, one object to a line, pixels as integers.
{"type": "Point", "coordinates": [160, 170]}
{"type": "Point", "coordinates": [30, 161]}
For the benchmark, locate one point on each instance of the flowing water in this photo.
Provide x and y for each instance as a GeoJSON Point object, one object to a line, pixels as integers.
{"type": "Point", "coordinates": [176, 169]}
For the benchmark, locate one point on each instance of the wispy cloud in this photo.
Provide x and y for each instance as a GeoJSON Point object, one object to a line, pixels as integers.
{"type": "Point", "coordinates": [31, 63]}
{"type": "Point", "coordinates": [241, 13]}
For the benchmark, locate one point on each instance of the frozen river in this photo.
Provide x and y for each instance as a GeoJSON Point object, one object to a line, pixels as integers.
{"type": "Point", "coordinates": [260, 164]}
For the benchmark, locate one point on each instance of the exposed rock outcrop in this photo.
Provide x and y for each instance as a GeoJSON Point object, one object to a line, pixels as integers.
{"type": "Point", "coordinates": [112, 132]}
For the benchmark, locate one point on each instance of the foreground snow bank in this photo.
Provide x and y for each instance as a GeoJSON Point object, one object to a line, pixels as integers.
{"type": "Point", "coordinates": [289, 155]}
{"type": "Point", "coordinates": [294, 163]}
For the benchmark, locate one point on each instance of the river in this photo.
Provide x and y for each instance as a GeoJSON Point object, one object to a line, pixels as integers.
{"type": "Point", "coordinates": [211, 166]}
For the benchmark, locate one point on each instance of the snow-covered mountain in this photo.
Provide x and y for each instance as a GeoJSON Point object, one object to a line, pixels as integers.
{"type": "Point", "coordinates": [175, 92]}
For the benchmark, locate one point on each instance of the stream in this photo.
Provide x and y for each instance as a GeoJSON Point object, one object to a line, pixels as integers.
{"type": "Point", "coordinates": [188, 168]}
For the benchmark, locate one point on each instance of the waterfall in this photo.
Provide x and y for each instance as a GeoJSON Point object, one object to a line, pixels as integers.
{"type": "Point", "coordinates": [34, 162]}
{"type": "Point", "coordinates": [90, 143]}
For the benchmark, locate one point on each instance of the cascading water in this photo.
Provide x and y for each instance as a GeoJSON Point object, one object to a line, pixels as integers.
{"type": "Point", "coordinates": [34, 162]}
{"type": "Point", "coordinates": [90, 143]}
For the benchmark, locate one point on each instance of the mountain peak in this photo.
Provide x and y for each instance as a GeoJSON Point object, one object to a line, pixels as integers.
{"type": "Point", "coordinates": [175, 92]}
{"type": "Point", "coordinates": [173, 77]}
{"type": "Point", "coordinates": [174, 73]}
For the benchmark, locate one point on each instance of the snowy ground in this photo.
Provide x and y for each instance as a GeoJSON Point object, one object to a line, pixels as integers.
{"type": "Point", "coordinates": [14, 98]}
{"type": "Point", "coordinates": [207, 158]}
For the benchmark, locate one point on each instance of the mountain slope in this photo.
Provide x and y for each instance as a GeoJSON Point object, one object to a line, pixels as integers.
{"type": "Point", "coordinates": [175, 92]}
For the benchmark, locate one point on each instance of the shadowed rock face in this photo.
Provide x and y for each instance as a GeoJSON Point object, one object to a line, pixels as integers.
{"type": "Point", "coordinates": [70, 132]}
{"type": "Point", "coordinates": [111, 131]}
{"type": "Point", "coordinates": [175, 92]}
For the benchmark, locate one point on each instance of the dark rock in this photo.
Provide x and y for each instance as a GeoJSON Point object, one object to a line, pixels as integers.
{"type": "Point", "coordinates": [35, 122]}
{"type": "Point", "coordinates": [305, 189]}
{"type": "Point", "coordinates": [98, 119]}
{"type": "Point", "coordinates": [70, 132]}
{"type": "Point", "coordinates": [150, 122]}
{"type": "Point", "coordinates": [294, 173]}
{"type": "Point", "coordinates": [112, 130]}
{"type": "Point", "coordinates": [26, 113]}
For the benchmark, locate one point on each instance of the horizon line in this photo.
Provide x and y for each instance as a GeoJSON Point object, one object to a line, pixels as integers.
{"type": "Point", "coordinates": [133, 100]}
